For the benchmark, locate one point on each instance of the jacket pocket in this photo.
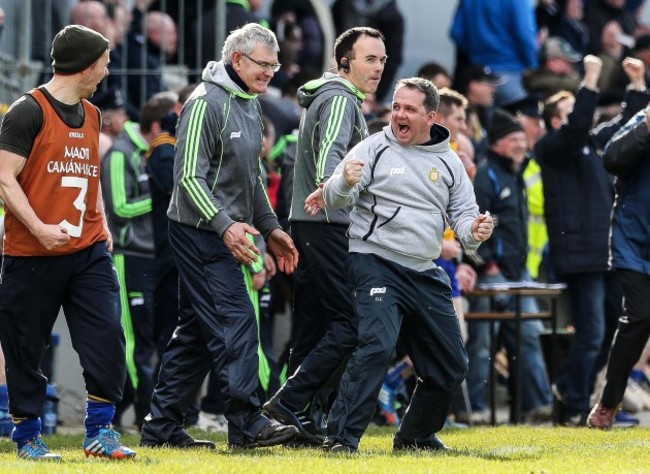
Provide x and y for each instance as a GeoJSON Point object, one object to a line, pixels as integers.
{"type": "Point", "coordinates": [411, 232]}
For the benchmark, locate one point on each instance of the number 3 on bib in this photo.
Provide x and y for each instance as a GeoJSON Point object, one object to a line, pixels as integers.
{"type": "Point", "coordinates": [79, 203]}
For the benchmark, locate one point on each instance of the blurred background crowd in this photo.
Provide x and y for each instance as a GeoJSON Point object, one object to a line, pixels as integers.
{"type": "Point", "coordinates": [498, 64]}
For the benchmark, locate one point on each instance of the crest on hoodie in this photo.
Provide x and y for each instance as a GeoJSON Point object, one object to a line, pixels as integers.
{"type": "Point", "coordinates": [434, 175]}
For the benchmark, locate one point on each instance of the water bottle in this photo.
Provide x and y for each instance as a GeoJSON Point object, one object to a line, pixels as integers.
{"type": "Point", "coordinates": [50, 411]}
{"type": "Point", "coordinates": [49, 418]}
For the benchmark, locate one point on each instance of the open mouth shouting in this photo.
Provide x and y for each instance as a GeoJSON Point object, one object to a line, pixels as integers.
{"type": "Point", "coordinates": [403, 131]}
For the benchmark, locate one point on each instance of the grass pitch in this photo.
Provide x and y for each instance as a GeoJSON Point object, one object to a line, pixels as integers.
{"type": "Point", "coordinates": [520, 449]}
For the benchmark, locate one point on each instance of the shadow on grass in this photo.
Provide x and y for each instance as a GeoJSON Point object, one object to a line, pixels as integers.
{"type": "Point", "coordinates": [498, 454]}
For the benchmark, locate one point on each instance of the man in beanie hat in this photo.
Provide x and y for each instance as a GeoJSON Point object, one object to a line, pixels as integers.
{"type": "Point", "coordinates": [500, 189]}
{"type": "Point", "coordinates": [56, 247]}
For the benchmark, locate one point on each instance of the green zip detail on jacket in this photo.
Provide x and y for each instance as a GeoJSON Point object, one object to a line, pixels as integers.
{"type": "Point", "coordinates": [241, 94]}
{"type": "Point", "coordinates": [244, 3]}
{"type": "Point", "coordinates": [134, 136]}
{"type": "Point", "coordinates": [317, 83]}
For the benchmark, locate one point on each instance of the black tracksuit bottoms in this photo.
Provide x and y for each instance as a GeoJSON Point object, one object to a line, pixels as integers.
{"type": "Point", "coordinates": [630, 337]}
{"type": "Point", "coordinates": [324, 326]}
{"type": "Point", "coordinates": [217, 329]}
{"type": "Point", "coordinates": [393, 301]}
{"type": "Point", "coordinates": [32, 292]}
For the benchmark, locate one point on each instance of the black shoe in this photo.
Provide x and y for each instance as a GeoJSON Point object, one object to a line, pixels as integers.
{"type": "Point", "coordinates": [272, 434]}
{"type": "Point", "coordinates": [400, 444]}
{"type": "Point", "coordinates": [307, 430]}
{"type": "Point", "coordinates": [342, 448]}
{"type": "Point", "coordinates": [328, 443]}
{"type": "Point", "coordinates": [178, 441]}
{"type": "Point", "coordinates": [559, 406]}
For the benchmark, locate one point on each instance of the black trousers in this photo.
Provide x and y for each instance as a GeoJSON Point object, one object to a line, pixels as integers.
{"type": "Point", "coordinates": [32, 291]}
{"type": "Point", "coordinates": [166, 305]}
{"type": "Point", "coordinates": [324, 331]}
{"type": "Point", "coordinates": [137, 276]}
{"type": "Point", "coordinates": [631, 336]}
{"type": "Point", "coordinates": [391, 301]}
{"type": "Point", "coordinates": [217, 329]}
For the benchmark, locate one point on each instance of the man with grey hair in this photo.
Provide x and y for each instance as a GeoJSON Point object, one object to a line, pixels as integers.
{"type": "Point", "coordinates": [218, 204]}
{"type": "Point", "coordinates": [401, 203]}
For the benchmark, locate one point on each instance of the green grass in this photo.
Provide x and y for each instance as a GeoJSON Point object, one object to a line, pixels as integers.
{"type": "Point", "coordinates": [477, 450]}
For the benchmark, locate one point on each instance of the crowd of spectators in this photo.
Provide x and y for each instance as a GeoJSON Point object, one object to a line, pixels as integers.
{"type": "Point", "coordinates": [527, 81]}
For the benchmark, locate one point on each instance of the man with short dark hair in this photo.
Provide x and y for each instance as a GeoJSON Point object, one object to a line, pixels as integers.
{"type": "Point", "coordinates": [324, 331]}
{"type": "Point", "coordinates": [404, 183]}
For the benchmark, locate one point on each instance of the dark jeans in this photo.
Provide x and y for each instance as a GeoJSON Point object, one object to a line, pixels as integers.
{"type": "Point", "coordinates": [586, 293]}
{"type": "Point", "coordinates": [535, 388]}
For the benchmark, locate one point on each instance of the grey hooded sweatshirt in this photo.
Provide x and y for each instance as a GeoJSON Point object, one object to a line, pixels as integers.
{"type": "Point", "coordinates": [331, 124]}
{"type": "Point", "coordinates": [404, 198]}
{"type": "Point", "coordinates": [216, 168]}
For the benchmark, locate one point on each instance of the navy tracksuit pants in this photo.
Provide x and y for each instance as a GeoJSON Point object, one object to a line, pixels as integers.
{"type": "Point", "coordinates": [631, 335]}
{"type": "Point", "coordinates": [32, 292]}
{"type": "Point", "coordinates": [393, 301]}
{"type": "Point", "coordinates": [324, 325]}
{"type": "Point", "coordinates": [217, 329]}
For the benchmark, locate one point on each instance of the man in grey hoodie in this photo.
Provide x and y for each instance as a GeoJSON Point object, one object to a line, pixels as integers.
{"type": "Point", "coordinates": [218, 200]}
{"type": "Point", "coordinates": [324, 331]}
{"type": "Point", "coordinates": [405, 183]}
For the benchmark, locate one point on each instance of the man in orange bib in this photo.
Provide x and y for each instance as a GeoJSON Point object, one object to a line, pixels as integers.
{"type": "Point", "coordinates": [56, 247]}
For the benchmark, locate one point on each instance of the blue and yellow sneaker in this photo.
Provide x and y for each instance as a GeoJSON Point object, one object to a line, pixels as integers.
{"type": "Point", "coordinates": [36, 450]}
{"type": "Point", "coordinates": [107, 445]}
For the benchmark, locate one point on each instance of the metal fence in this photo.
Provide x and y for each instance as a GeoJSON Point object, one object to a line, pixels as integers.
{"type": "Point", "coordinates": [30, 26]}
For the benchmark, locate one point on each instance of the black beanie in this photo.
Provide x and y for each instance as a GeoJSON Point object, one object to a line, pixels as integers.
{"type": "Point", "coordinates": [502, 124]}
{"type": "Point", "coordinates": [75, 48]}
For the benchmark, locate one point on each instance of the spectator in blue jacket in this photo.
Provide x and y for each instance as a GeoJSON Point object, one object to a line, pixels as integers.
{"type": "Point", "coordinates": [500, 34]}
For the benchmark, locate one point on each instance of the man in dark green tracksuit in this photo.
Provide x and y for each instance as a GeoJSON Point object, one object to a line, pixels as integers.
{"type": "Point", "coordinates": [128, 210]}
{"type": "Point", "coordinates": [218, 201]}
{"type": "Point", "coordinates": [324, 330]}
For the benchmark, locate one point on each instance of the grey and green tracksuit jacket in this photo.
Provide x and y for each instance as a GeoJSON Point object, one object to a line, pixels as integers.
{"type": "Point", "coordinates": [331, 124]}
{"type": "Point", "coordinates": [125, 189]}
{"type": "Point", "coordinates": [404, 198]}
{"type": "Point", "coordinates": [217, 168]}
